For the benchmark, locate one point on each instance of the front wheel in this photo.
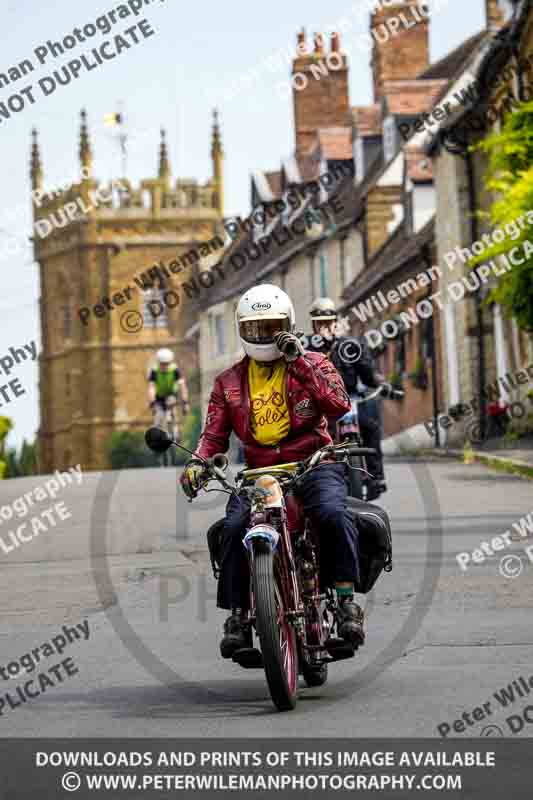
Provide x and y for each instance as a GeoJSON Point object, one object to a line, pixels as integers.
{"type": "Point", "coordinates": [276, 634]}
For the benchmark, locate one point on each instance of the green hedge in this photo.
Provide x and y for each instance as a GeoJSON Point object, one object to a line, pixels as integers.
{"type": "Point", "coordinates": [127, 449]}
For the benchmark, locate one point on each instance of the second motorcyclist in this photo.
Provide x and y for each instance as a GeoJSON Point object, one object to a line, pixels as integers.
{"type": "Point", "coordinates": [352, 359]}
{"type": "Point", "coordinates": [276, 400]}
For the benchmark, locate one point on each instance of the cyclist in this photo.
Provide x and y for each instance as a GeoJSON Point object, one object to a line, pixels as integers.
{"type": "Point", "coordinates": [276, 400]}
{"type": "Point", "coordinates": [164, 384]}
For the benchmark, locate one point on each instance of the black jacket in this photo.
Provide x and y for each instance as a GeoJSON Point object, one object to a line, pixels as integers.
{"type": "Point", "coordinates": [351, 358]}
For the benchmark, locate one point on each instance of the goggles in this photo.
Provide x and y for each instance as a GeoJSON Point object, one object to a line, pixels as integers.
{"type": "Point", "coordinates": [262, 330]}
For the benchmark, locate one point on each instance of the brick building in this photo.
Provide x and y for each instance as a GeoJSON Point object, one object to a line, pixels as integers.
{"type": "Point", "coordinates": [397, 267]}
{"type": "Point", "coordinates": [389, 240]}
{"type": "Point", "coordinates": [93, 372]}
{"type": "Point", "coordinates": [481, 344]}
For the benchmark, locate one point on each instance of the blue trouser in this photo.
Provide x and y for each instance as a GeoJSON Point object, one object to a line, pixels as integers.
{"type": "Point", "coordinates": [323, 492]}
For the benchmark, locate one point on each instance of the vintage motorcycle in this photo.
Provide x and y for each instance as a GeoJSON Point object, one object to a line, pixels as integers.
{"type": "Point", "coordinates": [361, 482]}
{"type": "Point", "coordinates": [292, 613]}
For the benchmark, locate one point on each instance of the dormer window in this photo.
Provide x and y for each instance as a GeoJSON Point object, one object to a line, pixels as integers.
{"type": "Point", "coordinates": [258, 218]}
{"type": "Point", "coordinates": [359, 155]}
{"type": "Point", "coordinates": [389, 138]}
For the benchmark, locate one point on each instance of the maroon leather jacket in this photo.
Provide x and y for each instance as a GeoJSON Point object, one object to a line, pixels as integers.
{"type": "Point", "coordinates": [314, 390]}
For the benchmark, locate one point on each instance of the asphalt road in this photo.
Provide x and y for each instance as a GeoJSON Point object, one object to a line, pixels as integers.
{"type": "Point", "coordinates": [132, 562]}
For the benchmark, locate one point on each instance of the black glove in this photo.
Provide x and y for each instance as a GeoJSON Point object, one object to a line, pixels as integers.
{"type": "Point", "coordinates": [289, 345]}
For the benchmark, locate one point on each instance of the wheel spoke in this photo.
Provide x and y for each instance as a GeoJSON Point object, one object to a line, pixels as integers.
{"type": "Point", "coordinates": [285, 640]}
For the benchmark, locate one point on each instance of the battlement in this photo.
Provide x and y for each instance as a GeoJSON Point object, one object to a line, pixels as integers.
{"type": "Point", "coordinates": [151, 196]}
{"type": "Point", "coordinates": [54, 208]}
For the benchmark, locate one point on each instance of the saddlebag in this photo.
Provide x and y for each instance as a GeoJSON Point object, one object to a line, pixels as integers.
{"type": "Point", "coordinates": [214, 543]}
{"type": "Point", "coordinates": [375, 542]}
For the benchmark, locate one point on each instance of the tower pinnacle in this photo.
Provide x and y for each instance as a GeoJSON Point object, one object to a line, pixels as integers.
{"type": "Point", "coordinates": [86, 158]}
{"type": "Point", "coordinates": [217, 155]}
{"type": "Point", "coordinates": [164, 164]}
{"type": "Point", "coordinates": [36, 170]}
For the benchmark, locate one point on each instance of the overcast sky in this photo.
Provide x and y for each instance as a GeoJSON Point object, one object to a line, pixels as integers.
{"type": "Point", "coordinates": [172, 79]}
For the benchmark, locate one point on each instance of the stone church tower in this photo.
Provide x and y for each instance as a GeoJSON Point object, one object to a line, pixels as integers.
{"type": "Point", "coordinates": [95, 355]}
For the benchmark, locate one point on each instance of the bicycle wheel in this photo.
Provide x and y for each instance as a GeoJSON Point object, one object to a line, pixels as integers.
{"type": "Point", "coordinates": [276, 634]}
{"type": "Point", "coordinates": [173, 432]}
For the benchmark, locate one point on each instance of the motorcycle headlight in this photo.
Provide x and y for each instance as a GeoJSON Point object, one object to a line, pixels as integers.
{"type": "Point", "coordinates": [269, 484]}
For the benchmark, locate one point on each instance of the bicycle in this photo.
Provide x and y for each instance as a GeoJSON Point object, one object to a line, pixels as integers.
{"type": "Point", "coordinates": [165, 417]}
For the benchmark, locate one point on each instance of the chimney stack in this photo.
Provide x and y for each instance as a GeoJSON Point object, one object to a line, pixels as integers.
{"type": "Point", "coordinates": [495, 15]}
{"type": "Point", "coordinates": [401, 42]}
{"type": "Point", "coordinates": [320, 89]}
{"type": "Point", "coordinates": [319, 44]}
{"type": "Point", "coordinates": [301, 47]}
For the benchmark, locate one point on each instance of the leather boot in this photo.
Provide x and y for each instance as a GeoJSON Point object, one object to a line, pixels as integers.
{"type": "Point", "coordinates": [350, 621]}
{"type": "Point", "coordinates": [235, 635]}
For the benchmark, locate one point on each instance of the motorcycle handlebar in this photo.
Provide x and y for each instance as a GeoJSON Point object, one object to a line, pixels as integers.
{"type": "Point", "coordinates": [388, 391]}
{"type": "Point", "coordinates": [354, 450]}
{"type": "Point", "coordinates": [397, 394]}
{"type": "Point", "coordinates": [217, 465]}
{"type": "Point", "coordinates": [218, 461]}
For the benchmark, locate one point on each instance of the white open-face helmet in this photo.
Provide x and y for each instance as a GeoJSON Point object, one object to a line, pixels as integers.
{"type": "Point", "coordinates": [323, 315]}
{"type": "Point", "coordinates": [263, 311]}
{"type": "Point", "coordinates": [165, 356]}
{"type": "Point", "coordinates": [323, 310]}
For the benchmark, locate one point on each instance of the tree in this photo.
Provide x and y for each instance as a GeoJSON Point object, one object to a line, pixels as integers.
{"type": "Point", "coordinates": [21, 464]}
{"type": "Point", "coordinates": [5, 426]}
{"type": "Point", "coordinates": [510, 178]}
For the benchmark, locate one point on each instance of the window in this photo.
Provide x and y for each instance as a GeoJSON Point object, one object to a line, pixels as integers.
{"type": "Point", "coordinates": [342, 263]}
{"type": "Point", "coordinates": [426, 334]}
{"type": "Point", "coordinates": [389, 138]}
{"type": "Point", "coordinates": [286, 213]}
{"type": "Point", "coordinates": [323, 272]}
{"type": "Point", "coordinates": [220, 334]}
{"type": "Point", "coordinates": [323, 194]}
{"type": "Point", "coordinates": [400, 355]}
{"type": "Point", "coordinates": [312, 282]}
{"type": "Point", "coordinates": [67, 320]}
{"type": "Point", "coordinates": [258, 229]}
{"type": "Point", "coordinates": [154, 309]}
{"type": "Point", "coordinates": [217, 328]}
{"type": "Point", "coordinates": [359, 155]}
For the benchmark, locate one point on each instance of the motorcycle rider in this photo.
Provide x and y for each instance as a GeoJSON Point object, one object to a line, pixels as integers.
{"type": "Point", "coordinates": [164, 384]}
{"type": "Point", "coordinates": [352, 358]}
{"type": "Point", "coordinates": [276, 400]}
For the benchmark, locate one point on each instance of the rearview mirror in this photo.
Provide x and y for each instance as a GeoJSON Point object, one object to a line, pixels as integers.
{"type": "Point", "coordinates": [157, 440]}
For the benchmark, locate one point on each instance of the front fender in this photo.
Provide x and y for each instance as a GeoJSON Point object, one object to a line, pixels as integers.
{"type": "Point", "coordinates": [263, 532]}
